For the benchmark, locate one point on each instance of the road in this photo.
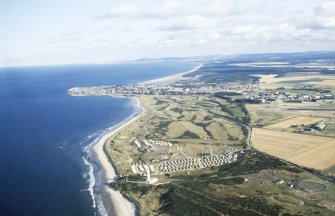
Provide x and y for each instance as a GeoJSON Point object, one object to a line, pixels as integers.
{"type": "Point", "coordinates": [181, 151]}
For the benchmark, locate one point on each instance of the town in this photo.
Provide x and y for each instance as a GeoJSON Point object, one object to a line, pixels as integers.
{"type": "Point", "coordinates": [307, 94]}
{"type": "Point", "coordinates": [250, 93]}
{"type": "Point", "coordinates": [177, 88]}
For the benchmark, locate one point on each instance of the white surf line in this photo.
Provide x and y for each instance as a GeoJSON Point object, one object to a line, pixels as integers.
{"type": "Point", "coordinates": [91, 181]}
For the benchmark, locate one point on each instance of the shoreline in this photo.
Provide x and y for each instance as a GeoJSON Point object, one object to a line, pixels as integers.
{"type": "Point", "coordinates": [172, 78]}
{"type": "Point", "coordinates": [113, 201]}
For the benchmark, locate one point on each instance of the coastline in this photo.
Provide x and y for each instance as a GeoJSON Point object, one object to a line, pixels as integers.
{"type": "Point", "coordinates": [113, 201]}
{"type": "Point", "coordinates": [173, 78]}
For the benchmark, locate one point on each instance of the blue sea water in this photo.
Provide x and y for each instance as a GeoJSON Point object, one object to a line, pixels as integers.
{"type": "Point", "coordinates": [44, 131]}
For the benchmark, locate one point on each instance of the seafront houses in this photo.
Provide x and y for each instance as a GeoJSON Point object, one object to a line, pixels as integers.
{"type": "Point", "coordinates": [251, 92]}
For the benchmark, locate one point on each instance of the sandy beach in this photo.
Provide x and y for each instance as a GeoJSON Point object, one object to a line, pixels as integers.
{"type": "Point", "coordinates": [114, 203]}
{"type": "Point", "coordinates": [173, 78]}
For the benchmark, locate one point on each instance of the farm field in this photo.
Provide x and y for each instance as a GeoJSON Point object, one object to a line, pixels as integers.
{"type": "Point", "coordinates": [310, 151]}
{"type": "Point", "coordinates": [271, 81]}
{"type": "Point", "coordinates": [258, 182]}
{"type": "Point", "coordinates": [194, 140]}
{"type": "Point", "coordinates": [281, 110]}
{"type": "Point", "coordinates": [290, 117]}
{"type": "Point", "coordinates": [299, 120]}
{"type": "Point", "coordinates": [263, 115]}
{"type": "Point", "coordinates": [259, 185]}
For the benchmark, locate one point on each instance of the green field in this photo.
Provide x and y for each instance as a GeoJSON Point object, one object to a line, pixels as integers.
{"type": "Point", "coordinates": [257, 186]}
{"type": "Point", "coordinates": [182, 120]}
{"type": "Point", "coordinates": [198, 124]}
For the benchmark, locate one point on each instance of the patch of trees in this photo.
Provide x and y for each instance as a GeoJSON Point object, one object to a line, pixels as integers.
{"type": "Point", "coordinates": [225, 94]}
{"type": "Point", "coordinates": [225, 72]}
{"type": "Point", "coordinates": [181, 200]}
{"type": "Point", "coordinates": [189, 135]}
{"type": "Point", "coordinates": [240, 104]}
{"type": "Point", "coordinates": [328, 71]}
{"type": "Point", "coordinates": [177, 110]}
{"type": "Point", "coordinates": [321, 174]}
{"type": "Point", "coordinates": [254, 162]}
{"type": "Point", "coordinates": [163, 125]}
{"type": "Point", "coordinates": [159, 102]}
{"type": "Point", "coordinates": [137, 189]}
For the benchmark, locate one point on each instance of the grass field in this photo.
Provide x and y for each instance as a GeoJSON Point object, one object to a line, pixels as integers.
{"type": "Point", "coordinates": [299, 120]}
{"type": "Point", "coordinates": [262, 115]}
{"type": "Point", "coordinates": [186, 121]}
{"type": "Point", "coordinates": [178, 129]}
{"type": "Point", "coordinates": [305, 150]}
{"type": "Point", "coordinates": [211, 194]}
{"type": "Point", "coordinates": [194, 124]}
{"type": "Point", "coordinates": [218, 131]}
{"type": "Point", "coordinates": [198, 124]}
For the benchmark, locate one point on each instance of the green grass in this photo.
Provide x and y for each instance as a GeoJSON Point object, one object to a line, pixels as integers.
{"type": "Point", "coordinates": [215, 191]}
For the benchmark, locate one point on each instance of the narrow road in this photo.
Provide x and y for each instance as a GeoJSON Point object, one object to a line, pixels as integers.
{"type": "Point", "coordinates": [181, 151]}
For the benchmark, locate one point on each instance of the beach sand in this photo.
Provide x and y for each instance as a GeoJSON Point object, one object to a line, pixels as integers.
{"type": "Point", "coordinates": [173, 78]}
{"type": "Point", "coordinates": [114, 203]}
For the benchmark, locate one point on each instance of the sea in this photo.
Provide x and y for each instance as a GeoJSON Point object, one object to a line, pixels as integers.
{"type": "Point", "coordinates": [45, 166]}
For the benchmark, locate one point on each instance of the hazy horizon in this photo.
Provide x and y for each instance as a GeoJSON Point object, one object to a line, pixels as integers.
{"type": "Point", "coordinates": [35, 32]}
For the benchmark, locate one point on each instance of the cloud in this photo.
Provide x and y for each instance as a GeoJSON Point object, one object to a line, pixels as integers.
{"type": "Point", "coordinates": [191, 22]}
{"type": "Point", "coordinates": [326, 9]}
{"type": "Point", "coordinates": [154, 28]}
{"type": "Point", "coordinates": [214, 23]}
{"type": "Point", "coordinates": [123, 10]}
{"type": "Point", "coordinates": [323, 23]}
{"type": "Point", "coordinates": [172, 9]}
{"type": "Point", "coordinates": [323, 17]}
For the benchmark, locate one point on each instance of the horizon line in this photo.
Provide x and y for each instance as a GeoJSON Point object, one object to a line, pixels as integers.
{"type": "Point", "coordinates": [161, 58]}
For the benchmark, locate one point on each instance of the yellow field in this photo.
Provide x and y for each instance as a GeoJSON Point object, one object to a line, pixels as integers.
{"type": "Point", "coordinates": [305, 150]}
{"type": "Point", "coordinates": [318, 80]}
{"type": "Point", "coordinates": [300, 120]}
{"type": "Point", "coordinates": [323, 156]}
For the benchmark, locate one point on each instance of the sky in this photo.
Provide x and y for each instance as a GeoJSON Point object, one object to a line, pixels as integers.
{"type": "Point", "coordinates": [40, 32]}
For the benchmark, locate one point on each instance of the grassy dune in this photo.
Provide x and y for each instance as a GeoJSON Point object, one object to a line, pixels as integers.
{"type": "Point", "coordinates": [197, 124]}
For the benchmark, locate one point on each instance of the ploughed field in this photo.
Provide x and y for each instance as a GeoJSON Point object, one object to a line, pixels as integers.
{"type": "Point", "coordinates": [312, 151]}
